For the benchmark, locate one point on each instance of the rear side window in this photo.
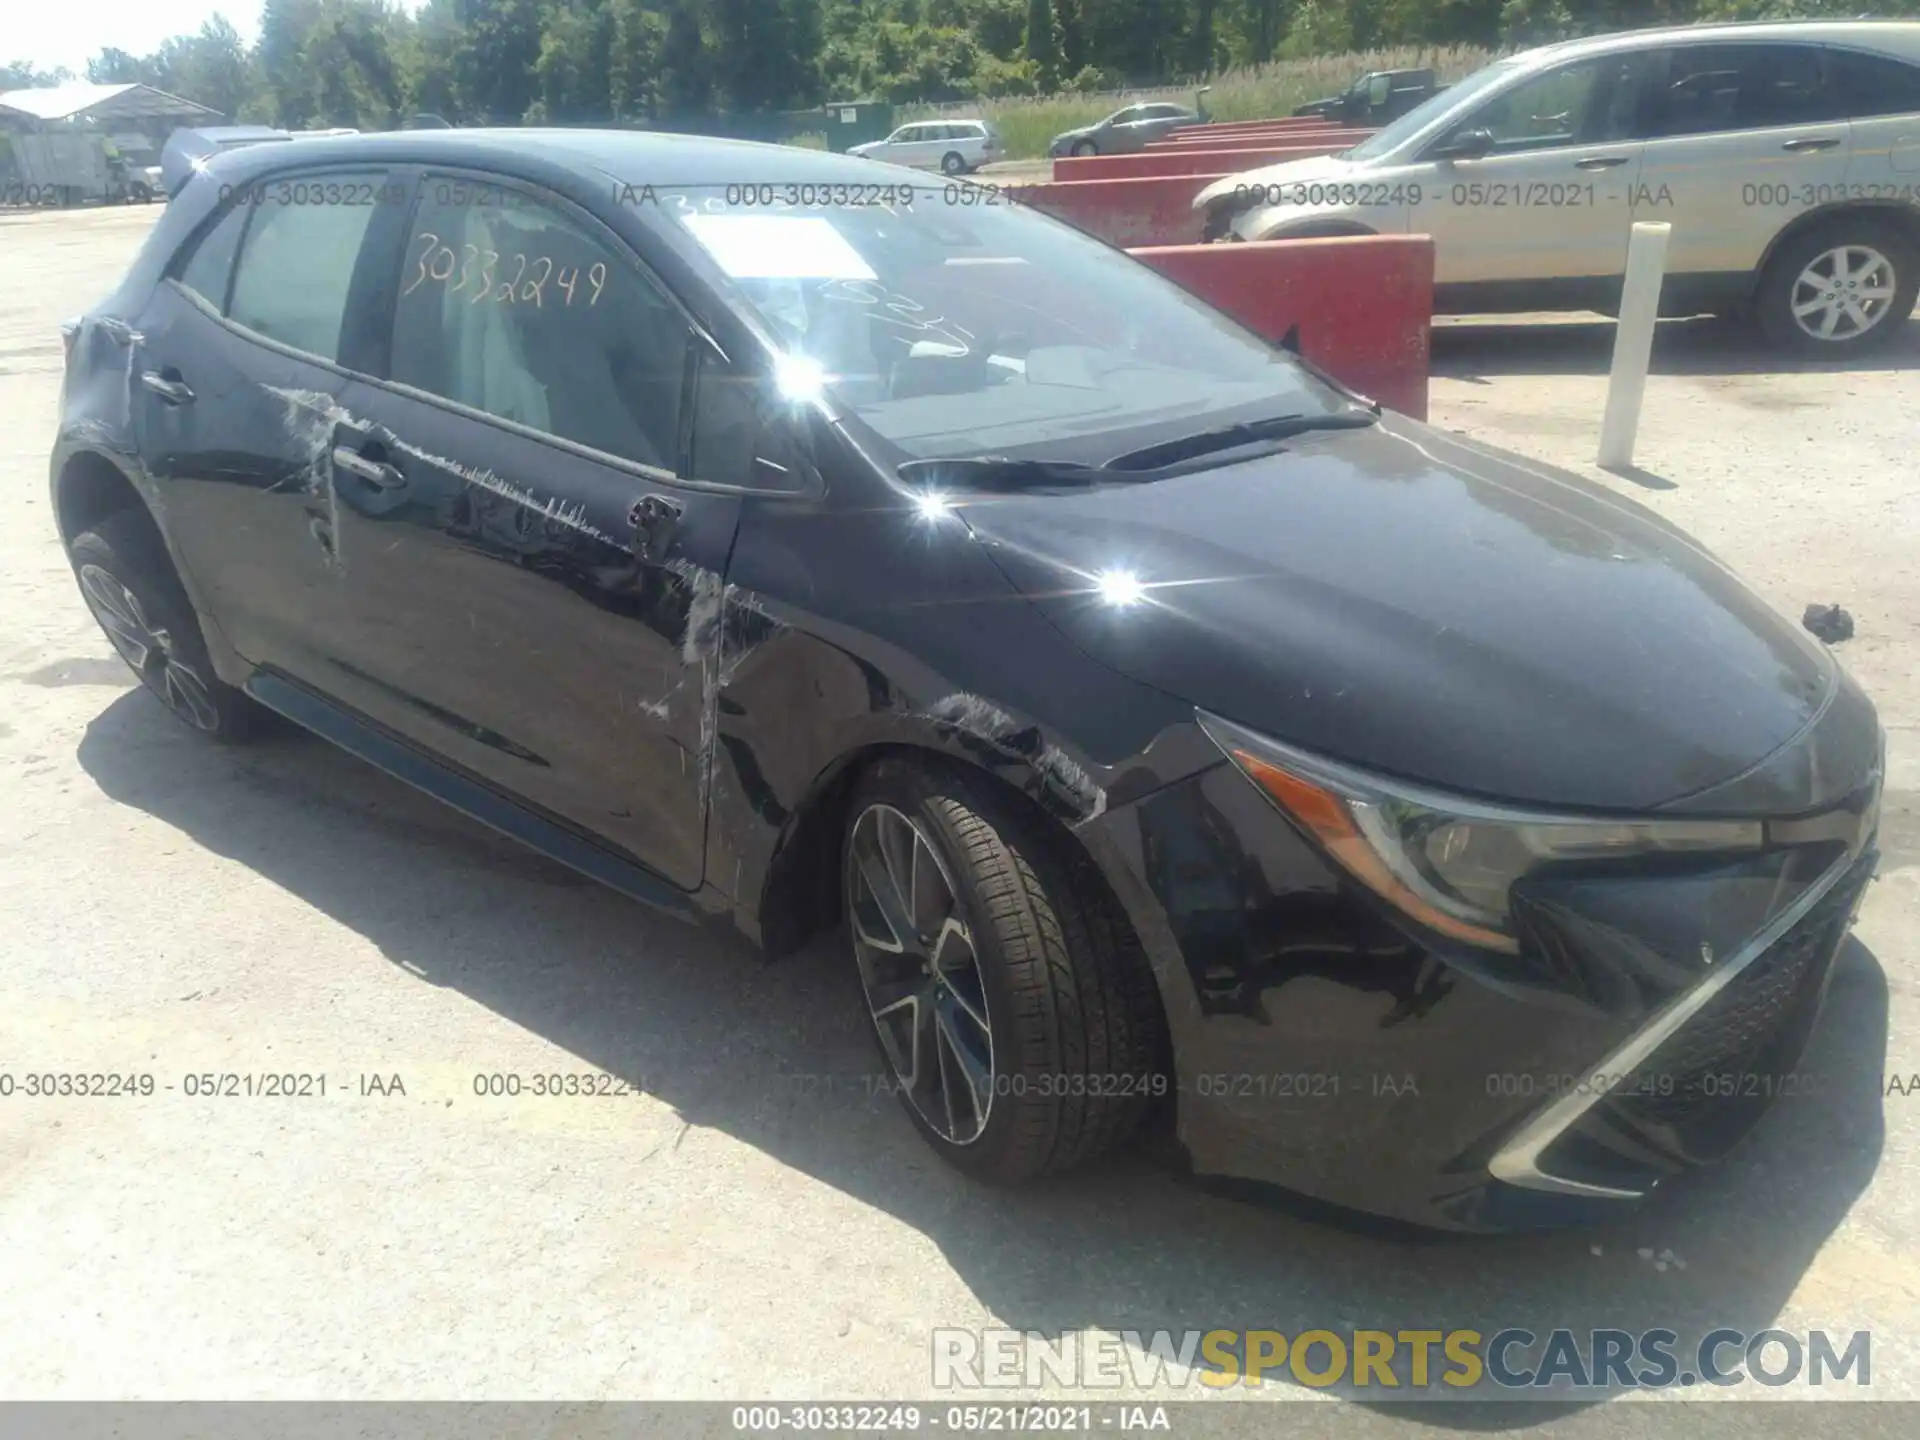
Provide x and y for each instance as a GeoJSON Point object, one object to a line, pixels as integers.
{"type": "Point", "coordinates": [297, 262]}
{"type": "Point", "coordinates": [1712, 88]}
{"type": "Point", "coordinates": [515, 308]}
{"type": "Point", "coordinates": [209, 263]}
{"type": "Point", "coordinates": [1874, 85]}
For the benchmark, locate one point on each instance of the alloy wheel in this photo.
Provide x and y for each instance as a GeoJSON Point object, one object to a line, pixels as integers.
{"type": "Point", "coordinates": [921, 973]}
{"type": "Point", "coordinates": [1843, 293]}
{"type": "Point", "coordinates": [148, 648]}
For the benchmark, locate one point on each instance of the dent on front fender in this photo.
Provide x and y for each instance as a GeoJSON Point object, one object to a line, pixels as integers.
{"type": "Point", "coordinates": [871, 630]}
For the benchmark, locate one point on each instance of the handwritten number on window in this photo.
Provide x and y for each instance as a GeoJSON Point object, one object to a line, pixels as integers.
{"type": "Point", "coordinates": [536, 288]}
{"type": "Point", "coordinates": [438, 262]}
{"type": "Point", "coordinates": [486, 274]}
{"type": "Point", "coordinates": [506, 291]}
{"type": "Point", "coordinates": [432, 242]}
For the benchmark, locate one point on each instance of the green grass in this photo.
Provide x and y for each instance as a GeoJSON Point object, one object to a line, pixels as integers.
{"type": "Point", "coordinates": [1256, 93]}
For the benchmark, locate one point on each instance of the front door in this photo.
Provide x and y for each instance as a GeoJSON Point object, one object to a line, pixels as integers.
{"type": "Point", "coordinates": [532, 583]}
{"type": "Point", "coordinates": [1552, 200]}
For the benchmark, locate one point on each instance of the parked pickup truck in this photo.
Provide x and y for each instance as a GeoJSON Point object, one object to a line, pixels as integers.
{"type": "Point", "coordinates": [1375, 98]}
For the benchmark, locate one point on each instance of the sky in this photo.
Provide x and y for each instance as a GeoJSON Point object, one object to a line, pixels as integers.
{"type": "Point", "coordinates": [47, 33]}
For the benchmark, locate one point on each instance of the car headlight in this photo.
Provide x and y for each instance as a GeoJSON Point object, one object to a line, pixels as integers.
{"type": "Point", "coordinates": [1447, 862]}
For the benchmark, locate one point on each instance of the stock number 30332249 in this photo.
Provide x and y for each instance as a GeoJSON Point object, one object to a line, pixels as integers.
{"type": "Point", "coordinates": [518, 279]}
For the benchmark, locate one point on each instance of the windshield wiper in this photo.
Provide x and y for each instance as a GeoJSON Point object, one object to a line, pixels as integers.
{"type": "Point", "coordinates": [1229, 437]}
{"type": "Point", "coordinates": [996, 472]}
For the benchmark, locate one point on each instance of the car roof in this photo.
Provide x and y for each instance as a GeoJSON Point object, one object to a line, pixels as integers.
{"type": "Point", "coordinates": [626, 157]}
{"type": "Point", "coordinates": [1891, 37]}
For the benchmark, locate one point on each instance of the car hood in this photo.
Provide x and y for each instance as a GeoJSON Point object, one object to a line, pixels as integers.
{"type": "Point", "coordinates": [1287, 172]}
{"type": "Point", "coordinates": [1427, 607]}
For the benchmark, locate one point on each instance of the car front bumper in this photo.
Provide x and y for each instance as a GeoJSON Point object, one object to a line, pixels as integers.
{"type": "Point", "coordinates": [1323, 1047]}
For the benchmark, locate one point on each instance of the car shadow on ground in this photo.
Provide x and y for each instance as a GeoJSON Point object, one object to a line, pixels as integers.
{"type": "Point", "coordinates": [1474, 348]}
{"type": "Point", "coordinates": [778, 1057]}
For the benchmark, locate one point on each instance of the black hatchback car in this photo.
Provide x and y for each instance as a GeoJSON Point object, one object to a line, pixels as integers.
{"type": "Point", "coordinates": [1179, 739]}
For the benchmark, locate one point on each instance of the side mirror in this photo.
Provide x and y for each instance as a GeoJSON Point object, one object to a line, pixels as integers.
{"type": "Point", "coordinates": [749, 430]}
{"type": "Point", "coordinates": [1379, 91]}
{"type": "Point", "coordinates": [1467, 145]}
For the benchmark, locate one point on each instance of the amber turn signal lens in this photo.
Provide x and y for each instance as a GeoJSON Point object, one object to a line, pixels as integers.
{"type": "Point", "coordinates": [1326, 817]}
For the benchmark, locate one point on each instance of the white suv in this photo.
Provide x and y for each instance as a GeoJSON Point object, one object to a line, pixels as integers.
{"type": "Point", "coordinates": [951, 146]}
{"type": "Point", "coordinates": [1786, 156]}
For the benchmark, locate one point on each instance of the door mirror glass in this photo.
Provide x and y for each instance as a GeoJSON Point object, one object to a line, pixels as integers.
{"type": "Point", "coordinates": [1467, 145]}
{"type": "Point", "coordinates": [1379, 91]}
{"type": "Point", "coordinates": [750, 430]}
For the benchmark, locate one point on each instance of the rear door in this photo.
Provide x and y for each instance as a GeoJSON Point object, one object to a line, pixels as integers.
{"type": "Point", "coordinates": [237, 367]}
{"type": "Point", "coordinates": [1740, 139]}
{"type": "Point", "coordinates": [535, 581]}
{"type": "Point", "coordinates": [1881, 97]}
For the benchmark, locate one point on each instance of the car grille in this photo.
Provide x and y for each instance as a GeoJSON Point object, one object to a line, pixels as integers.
{"type": "Point", "coordinates": [1729, 1050]}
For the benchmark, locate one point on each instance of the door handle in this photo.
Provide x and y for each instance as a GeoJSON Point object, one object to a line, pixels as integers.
{"type": "Point", "coordinates": [1799, 146]}
{"type": "Point", "coordinates": [654, 519]}
{"type": "Point", "coordinates": [167, 386]}
{"type": "Point", "coordinates": [1600, 162]}
{"type": "Point", "coordinates": [374, 472]}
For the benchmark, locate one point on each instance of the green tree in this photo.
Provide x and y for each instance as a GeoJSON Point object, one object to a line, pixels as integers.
{"type": "Point", "coordinates": [575, 65]}
{"type": "Point", "coordinates": [21, 75]}
{"type": "Point", "coordinates": [636, 38]}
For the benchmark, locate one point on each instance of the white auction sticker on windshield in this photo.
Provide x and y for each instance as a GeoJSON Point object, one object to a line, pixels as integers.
{"type": "Point", "coordinates": [778, 247]}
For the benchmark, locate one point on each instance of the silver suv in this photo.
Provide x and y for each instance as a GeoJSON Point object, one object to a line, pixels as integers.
{"type": "Point", "coordinates": [1786, 156]}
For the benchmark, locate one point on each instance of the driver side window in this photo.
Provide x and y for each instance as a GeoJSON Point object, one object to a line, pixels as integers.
{"type": "Point", "coordinates": [1587, 103]}
{"type": "Point", "coordinates": [511, 306]}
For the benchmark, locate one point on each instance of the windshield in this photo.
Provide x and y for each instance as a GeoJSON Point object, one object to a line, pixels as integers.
{"type": "Point", "coordinates": [956, 327]}
{"type": "Point", "coordinates": [1430, 109]}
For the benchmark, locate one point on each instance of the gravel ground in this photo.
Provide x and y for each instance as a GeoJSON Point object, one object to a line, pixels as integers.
{"type": "Point", "coordinates": [738, 1230]}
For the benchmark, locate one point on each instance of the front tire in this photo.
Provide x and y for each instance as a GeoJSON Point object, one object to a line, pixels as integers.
{"type": "Point", "coordinates": [128, 582]}
{"type": "Point", "coordinates": [1841, 289]}
{"type": "Point", "coordinates": [1010, 1000]}
{"type": "Point", "coordinates": [1085, 147]}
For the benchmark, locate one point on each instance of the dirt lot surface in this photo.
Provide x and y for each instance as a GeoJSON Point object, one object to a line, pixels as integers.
{"type": "Point", "coordinates": [738, 1230]}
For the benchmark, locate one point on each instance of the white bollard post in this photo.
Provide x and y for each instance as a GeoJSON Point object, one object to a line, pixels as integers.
{"type": "Point", "coordinates": [1633, 341]}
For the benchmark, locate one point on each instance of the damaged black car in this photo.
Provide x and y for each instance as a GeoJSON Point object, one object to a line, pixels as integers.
{"type": "Point", "coordinates": [1182, 745]}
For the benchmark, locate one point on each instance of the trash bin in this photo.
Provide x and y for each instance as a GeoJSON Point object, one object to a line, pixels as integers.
{"type": "Point", "coordinates": [854, 122]}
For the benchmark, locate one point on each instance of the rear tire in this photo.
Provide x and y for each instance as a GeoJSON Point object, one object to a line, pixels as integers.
{"type": "Point", "coordinates": [1853, 277]}
{"type": "Point", "coordinates": [128, 582]}
{"type": "Point", "coordinates": [1018, 1017]}
{"type": "Point", "coordinates": [953, 163]}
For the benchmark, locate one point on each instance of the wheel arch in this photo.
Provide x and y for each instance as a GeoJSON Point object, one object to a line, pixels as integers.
{"type": "Point", "coordinates": [1328, 228]}
{"type": "Point", "coordinates": [801, 893]}
{"type": "Point", "coordinates": [88, 488]}
{"type": "Point", "coordinates": [1903, 216]}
